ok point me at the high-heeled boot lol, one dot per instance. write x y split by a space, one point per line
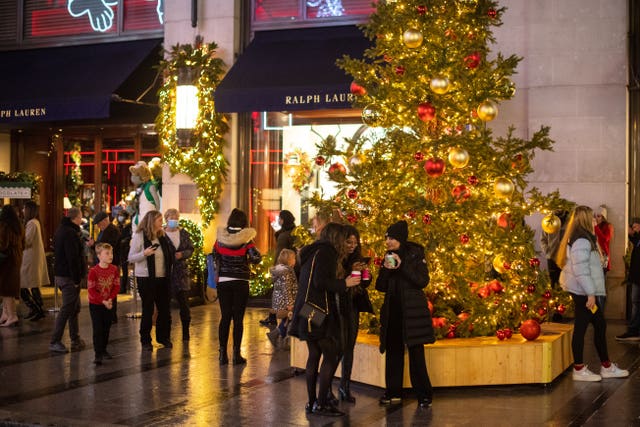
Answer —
26 297
223 358
344 392
237 358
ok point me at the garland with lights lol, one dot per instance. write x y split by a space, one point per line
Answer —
260 283
204 162
197 262
74 179
31 179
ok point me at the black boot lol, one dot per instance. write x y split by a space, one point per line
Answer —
185 332
237 358
344 392
332 400
25 295
223 358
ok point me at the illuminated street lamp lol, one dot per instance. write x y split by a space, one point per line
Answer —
186 106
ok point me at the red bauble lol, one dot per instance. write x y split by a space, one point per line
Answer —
320 161
451 334
492 13
352 194
504 221
484 292
542 311
561 309
337 168
472 180
426 111
422 9
439 322
411 214
377 261
496 286
400 70
531 288
460 193
530 329
546 294
357 90
506 265
418 156
352 218
508 333
464 239
534 262
473 60
463 316
387 58
426 219
524 307
434 167
500 334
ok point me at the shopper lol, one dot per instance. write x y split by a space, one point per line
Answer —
110 234
70 268
322 276
152 254
604 235
352 303
103 284
285 288
233 251
633 280
405 318
11 244
583 277
180 275
33 273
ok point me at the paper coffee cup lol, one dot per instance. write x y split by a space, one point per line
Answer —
355 273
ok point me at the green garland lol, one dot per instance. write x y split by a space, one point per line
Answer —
33 180
74 179
260 283
204 162
197 262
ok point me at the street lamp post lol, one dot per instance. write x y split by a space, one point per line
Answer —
186 106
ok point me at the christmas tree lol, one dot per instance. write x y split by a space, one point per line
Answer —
430 85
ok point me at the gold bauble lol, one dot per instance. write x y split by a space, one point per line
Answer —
412 38
439 85
503 187
498 264
458 157
371 116
551 224
487 111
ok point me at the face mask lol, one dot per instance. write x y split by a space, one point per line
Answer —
172 223
121 218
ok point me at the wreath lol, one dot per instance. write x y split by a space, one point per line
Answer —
298 166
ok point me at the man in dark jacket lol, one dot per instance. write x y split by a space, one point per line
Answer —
70 268
404 316
633 329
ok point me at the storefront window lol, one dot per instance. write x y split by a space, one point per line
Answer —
292 13
284 172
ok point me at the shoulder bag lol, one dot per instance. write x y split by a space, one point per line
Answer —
314 314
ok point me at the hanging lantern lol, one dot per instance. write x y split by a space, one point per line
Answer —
186 106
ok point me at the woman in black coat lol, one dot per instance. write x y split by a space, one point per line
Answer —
404 316
320 281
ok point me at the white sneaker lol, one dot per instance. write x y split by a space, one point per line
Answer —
585 374
614 372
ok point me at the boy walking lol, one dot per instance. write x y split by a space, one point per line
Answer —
103 285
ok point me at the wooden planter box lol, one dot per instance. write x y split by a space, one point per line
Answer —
468 361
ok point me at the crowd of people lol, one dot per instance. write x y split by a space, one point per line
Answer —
319 290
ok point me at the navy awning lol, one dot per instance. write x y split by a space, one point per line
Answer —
67 83
288 70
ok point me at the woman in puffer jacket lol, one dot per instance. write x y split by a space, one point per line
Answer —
582 276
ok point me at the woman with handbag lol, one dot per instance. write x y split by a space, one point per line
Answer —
404 317
352 303
315 316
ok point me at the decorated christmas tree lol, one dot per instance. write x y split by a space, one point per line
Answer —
430 85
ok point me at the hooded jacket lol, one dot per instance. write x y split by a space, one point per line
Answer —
233 252
322 284
69 252
404 286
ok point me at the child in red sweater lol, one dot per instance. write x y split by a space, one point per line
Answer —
103 285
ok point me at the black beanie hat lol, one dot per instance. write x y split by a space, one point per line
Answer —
398 231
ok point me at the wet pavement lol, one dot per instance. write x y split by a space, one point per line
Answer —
186 386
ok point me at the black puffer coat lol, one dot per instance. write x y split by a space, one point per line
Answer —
404 286
322 290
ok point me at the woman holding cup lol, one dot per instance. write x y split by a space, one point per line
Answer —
404 317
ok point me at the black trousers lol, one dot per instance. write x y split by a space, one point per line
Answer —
101 318
584 317
351 321
182 298
233 297
394 359
154 292
328 349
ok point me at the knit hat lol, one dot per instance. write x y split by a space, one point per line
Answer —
398 231
602 210
99 217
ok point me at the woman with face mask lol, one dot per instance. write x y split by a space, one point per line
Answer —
180 277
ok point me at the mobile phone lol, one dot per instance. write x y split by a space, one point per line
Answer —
155 245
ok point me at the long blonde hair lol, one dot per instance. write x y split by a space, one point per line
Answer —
580 222
146 225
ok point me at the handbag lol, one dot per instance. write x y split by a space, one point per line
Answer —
314 314
212 272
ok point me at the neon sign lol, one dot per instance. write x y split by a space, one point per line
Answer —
100 12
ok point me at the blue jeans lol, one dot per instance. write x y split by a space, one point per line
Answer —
69 309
